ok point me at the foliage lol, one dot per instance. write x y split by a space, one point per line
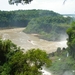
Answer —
24 1
61 62
71 40
60 66
19 1
29 63
13 61
49 27
20 18
6 48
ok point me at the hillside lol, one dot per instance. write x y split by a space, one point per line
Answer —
49 27
20 18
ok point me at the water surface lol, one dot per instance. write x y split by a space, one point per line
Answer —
28 41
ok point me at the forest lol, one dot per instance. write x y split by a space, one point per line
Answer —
64 59
49 27
13 61
20 18
48 24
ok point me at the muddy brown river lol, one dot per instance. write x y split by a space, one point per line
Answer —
28 41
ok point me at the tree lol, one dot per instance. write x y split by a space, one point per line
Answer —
6 47
13 61
24 1
19 1
71 40
28 63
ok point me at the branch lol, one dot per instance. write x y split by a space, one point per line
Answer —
64 2
19 1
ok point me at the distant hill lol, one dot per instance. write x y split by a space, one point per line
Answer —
20 18
48 24
49 27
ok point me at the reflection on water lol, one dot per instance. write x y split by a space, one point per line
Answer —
28 41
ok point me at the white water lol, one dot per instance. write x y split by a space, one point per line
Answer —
44 72
27 41
22 40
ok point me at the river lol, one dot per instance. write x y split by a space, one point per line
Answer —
28 41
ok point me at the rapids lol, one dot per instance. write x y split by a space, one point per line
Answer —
28 41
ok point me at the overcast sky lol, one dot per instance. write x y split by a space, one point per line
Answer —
54 5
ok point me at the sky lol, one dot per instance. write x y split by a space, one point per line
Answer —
53 5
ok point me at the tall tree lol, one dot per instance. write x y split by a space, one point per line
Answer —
6 48
13 61
19 1
71 40
28 63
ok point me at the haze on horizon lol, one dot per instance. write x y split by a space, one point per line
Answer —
54 5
